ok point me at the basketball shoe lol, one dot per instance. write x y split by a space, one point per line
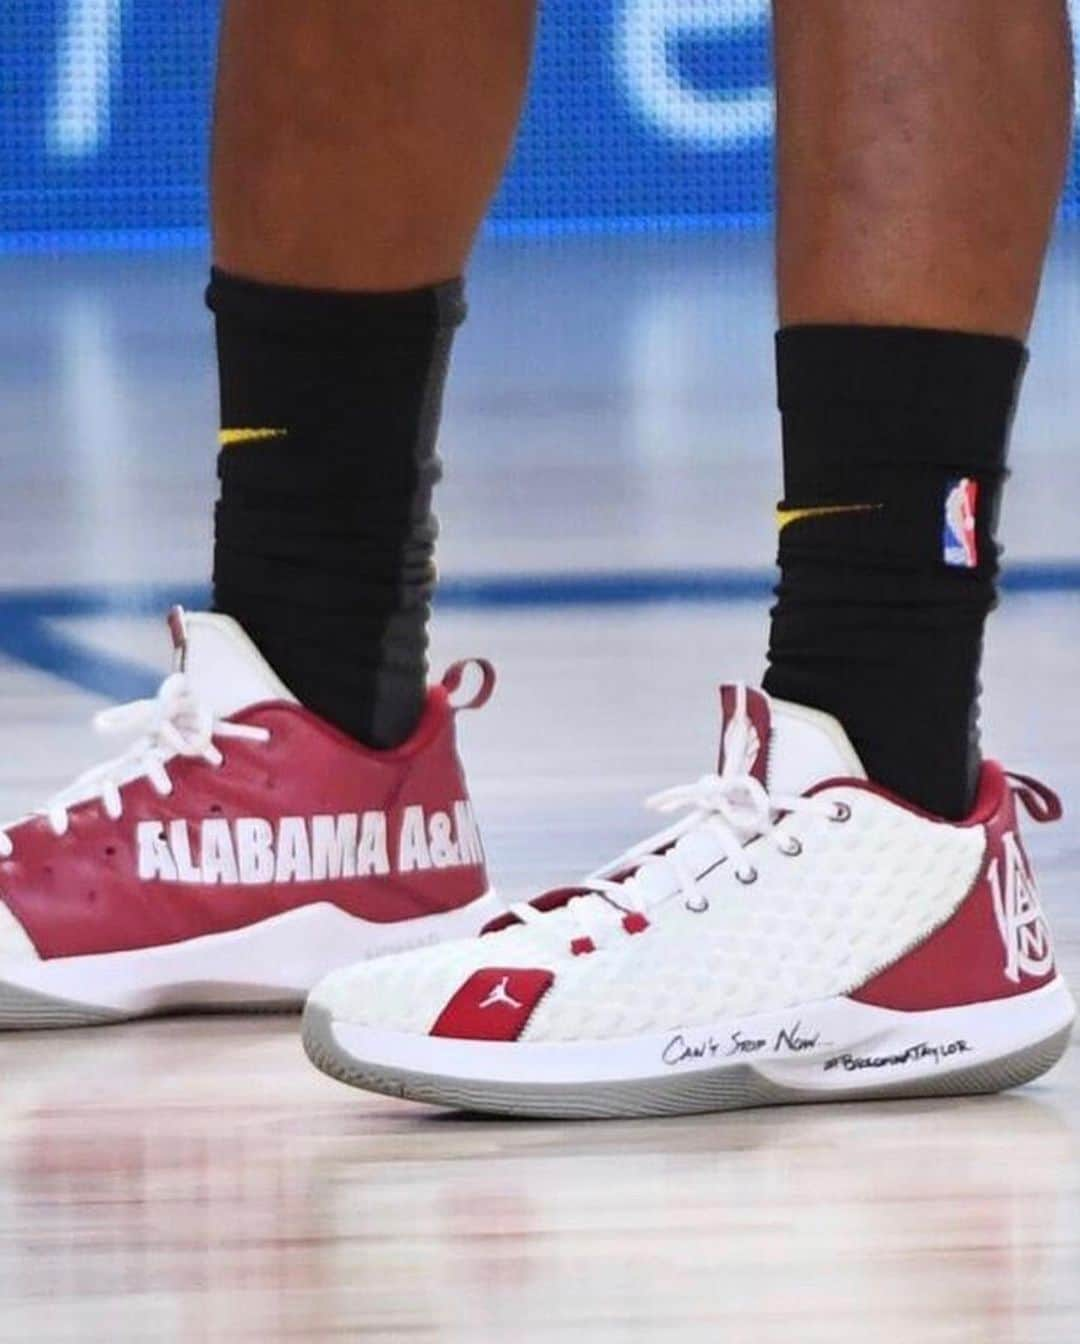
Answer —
799 935
237 852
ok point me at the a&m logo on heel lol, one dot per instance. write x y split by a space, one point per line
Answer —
1028 950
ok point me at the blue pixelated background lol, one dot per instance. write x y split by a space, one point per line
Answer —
645 114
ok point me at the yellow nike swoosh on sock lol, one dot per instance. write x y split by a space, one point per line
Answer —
229 438
785 517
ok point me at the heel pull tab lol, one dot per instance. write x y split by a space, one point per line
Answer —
455 676
1040 803
177 622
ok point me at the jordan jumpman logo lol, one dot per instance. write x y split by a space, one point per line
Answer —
501 994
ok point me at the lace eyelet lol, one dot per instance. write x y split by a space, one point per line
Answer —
792 849
841 812
697 905
748 878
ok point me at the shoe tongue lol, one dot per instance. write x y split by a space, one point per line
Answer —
785 747
225 669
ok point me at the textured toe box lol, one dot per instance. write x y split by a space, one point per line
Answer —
407 992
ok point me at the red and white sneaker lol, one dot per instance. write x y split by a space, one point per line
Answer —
800 935
236 853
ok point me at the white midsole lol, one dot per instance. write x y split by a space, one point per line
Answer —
277 960
833 1045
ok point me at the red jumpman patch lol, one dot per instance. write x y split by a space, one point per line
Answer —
493 1005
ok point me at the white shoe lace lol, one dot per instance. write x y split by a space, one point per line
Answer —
171 724
727 812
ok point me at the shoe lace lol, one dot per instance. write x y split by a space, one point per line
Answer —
170 724
725 813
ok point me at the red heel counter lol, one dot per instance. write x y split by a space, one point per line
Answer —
996 945
466 825
437 782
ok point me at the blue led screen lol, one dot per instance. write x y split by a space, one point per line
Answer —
644 114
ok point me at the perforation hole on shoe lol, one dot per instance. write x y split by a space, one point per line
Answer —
635 922
791 848
697 905
840 812
747 876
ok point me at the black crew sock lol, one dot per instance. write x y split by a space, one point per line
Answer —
891 436
330 405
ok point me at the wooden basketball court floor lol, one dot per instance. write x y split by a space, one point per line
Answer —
611 469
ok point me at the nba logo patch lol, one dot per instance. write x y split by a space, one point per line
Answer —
959 547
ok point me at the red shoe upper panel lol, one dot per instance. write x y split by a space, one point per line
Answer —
306 815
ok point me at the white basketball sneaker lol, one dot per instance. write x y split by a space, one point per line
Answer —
800 935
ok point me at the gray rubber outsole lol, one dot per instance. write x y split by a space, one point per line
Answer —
734 1087
26 1009
30 1010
